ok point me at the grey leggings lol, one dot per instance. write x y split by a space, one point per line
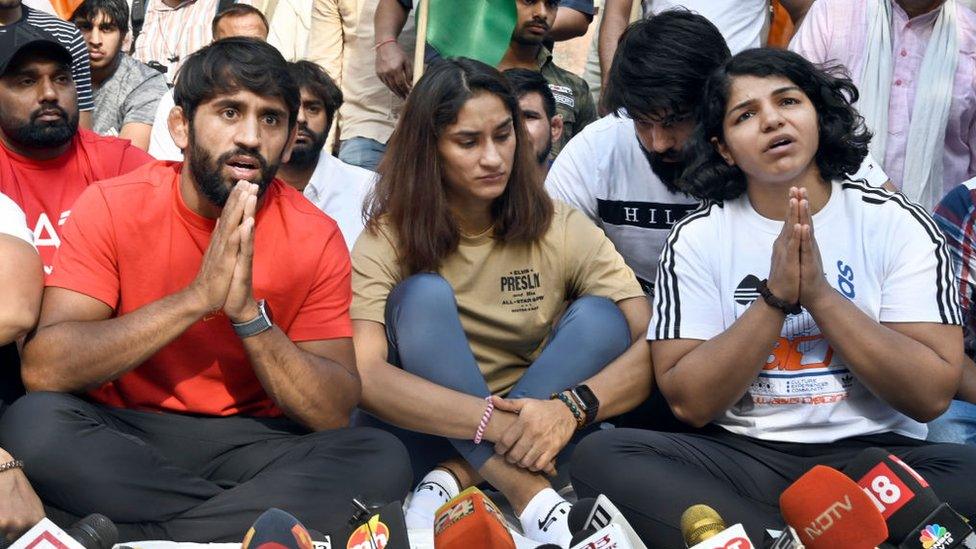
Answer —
426 339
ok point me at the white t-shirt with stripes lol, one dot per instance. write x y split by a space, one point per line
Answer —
879 250
70 37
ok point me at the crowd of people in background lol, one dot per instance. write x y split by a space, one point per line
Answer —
249 260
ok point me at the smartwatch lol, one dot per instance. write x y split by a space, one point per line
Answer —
588 402
261 323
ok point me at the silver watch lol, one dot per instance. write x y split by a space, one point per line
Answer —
261 323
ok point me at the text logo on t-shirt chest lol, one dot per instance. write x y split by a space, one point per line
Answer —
46 237
647 215
801 367
521 290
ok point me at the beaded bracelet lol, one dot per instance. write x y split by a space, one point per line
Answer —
489 408
568 401
15 464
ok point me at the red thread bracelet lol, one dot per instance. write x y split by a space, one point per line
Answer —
383 43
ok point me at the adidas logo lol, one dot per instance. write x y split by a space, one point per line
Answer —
747 291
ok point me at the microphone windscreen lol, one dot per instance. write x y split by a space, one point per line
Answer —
829 510
576 520
94 532
276 529
471 521
902 496
700 522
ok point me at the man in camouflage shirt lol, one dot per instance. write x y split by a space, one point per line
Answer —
526 51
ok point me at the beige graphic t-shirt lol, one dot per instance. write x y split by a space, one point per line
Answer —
508 295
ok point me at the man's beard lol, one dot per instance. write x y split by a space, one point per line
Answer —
307 155
206 172
41 135
668 167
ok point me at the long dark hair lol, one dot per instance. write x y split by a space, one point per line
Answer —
843 137
410 198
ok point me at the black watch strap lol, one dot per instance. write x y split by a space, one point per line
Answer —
588 401
775 302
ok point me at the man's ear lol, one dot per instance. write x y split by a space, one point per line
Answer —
290 144
179 127
556 127
723 151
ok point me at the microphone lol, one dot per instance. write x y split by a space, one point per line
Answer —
92 532
608 525
913 512
276 529
942 529
703 528
377 527
471 520
829 510
579 513
95 532
787 539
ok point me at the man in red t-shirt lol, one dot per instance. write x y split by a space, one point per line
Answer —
202 309
46 161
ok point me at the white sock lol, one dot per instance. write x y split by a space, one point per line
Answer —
545 518
437 488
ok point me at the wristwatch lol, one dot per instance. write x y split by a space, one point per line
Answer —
588 402
259 324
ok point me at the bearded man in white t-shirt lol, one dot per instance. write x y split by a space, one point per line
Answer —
621 170
336 188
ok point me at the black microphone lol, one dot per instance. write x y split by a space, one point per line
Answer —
914 514
576 520
94 532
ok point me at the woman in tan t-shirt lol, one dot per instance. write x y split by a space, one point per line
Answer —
461 285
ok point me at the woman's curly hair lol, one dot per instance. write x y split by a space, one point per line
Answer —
843 137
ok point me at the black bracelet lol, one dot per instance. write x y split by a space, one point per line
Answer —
775 302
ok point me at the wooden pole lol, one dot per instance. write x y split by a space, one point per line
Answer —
418 54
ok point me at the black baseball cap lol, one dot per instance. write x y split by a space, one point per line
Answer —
18 37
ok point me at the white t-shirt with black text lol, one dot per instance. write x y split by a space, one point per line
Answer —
879 250
604 173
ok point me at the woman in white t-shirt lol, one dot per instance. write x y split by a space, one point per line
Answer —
800 317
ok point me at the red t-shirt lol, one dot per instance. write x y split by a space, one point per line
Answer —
46 189
132 240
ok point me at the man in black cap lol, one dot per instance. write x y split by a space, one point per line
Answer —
46 161
14 14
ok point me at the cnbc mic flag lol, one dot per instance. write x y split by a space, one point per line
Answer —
478 29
